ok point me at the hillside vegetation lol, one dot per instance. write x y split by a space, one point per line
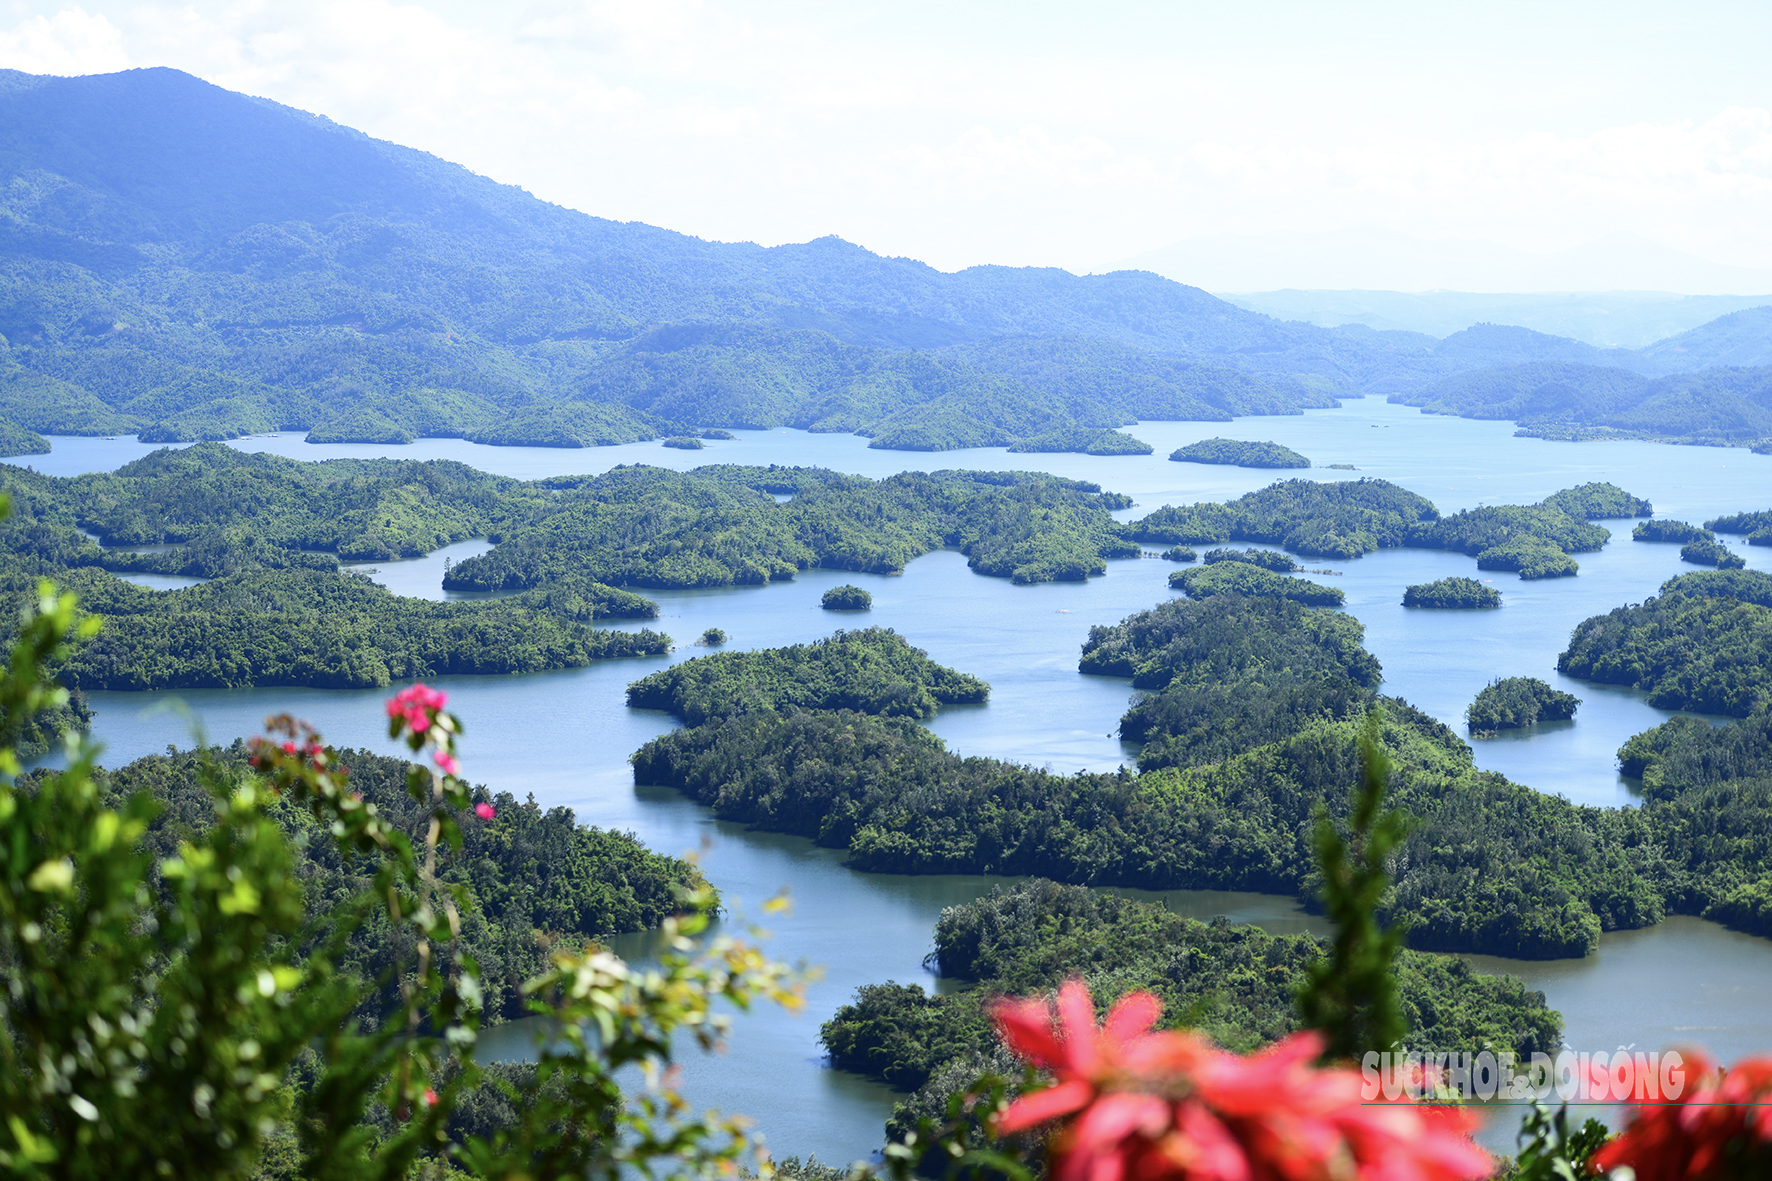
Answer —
531 877
1236 762
1704 643
1238 980
1238 453
189 263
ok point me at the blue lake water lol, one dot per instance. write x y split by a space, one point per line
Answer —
565 737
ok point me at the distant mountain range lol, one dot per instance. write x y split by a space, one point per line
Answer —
1608 319
184 262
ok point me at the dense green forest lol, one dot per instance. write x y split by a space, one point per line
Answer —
533 878
1678 532
1511 703
720 526
223 511
1455 593
1083 440
1318 518
1236 982
1704 643
1267 559
311 628
1704 552
874 670
1239 453
16 440
1757 526
1238 760
1564 399
1246 578
1351 518
1235 759
847 597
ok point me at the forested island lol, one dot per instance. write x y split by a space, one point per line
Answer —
1234 761
316 628
1238 453
1083 440
1237 980
1350 518
1240 577
1757 527
1704 643
1678 532
1706 552
1267 559
874 670
1512 703
847 597
1452 594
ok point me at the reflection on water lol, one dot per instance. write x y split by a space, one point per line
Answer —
565 736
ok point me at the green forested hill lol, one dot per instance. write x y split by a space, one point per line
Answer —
189 263
532 877
1703 643
719 526
313 628
1570 400
1237 981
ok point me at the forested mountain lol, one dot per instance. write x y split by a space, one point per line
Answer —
1569 400
185 262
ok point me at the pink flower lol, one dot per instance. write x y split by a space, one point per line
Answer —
417 705
1141 1106
1717 1128
448 762
484 811
430 1097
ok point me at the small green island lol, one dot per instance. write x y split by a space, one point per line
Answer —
1530 558
712 638
1082 440
1512 703
1238 453
717 433
1710 553
847 597
1243 578
1267 559
1678 532
1179 553
1452 593
684 442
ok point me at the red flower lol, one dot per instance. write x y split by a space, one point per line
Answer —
484 811
1719 1126
1143 1106
430 1097
417 705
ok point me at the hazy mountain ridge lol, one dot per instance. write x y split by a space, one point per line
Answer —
186 262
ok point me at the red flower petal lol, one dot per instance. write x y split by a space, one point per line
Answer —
1030 1110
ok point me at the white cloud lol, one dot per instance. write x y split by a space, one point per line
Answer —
963 135
69 42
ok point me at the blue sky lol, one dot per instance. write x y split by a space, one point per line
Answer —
1066 135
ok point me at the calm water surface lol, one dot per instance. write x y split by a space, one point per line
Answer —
564 737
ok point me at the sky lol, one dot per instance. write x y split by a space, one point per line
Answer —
1070 135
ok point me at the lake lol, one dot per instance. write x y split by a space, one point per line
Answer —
564 737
